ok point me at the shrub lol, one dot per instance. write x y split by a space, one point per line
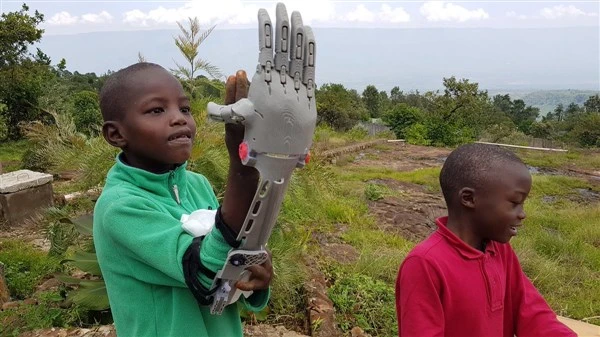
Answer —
86 112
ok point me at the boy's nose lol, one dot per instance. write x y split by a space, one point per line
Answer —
522 214
177 118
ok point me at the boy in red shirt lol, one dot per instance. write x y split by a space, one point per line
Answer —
465 279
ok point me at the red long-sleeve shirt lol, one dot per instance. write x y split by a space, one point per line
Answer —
446 288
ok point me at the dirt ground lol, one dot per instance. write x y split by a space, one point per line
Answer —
411 210
401 157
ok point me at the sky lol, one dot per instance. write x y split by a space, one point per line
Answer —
82 16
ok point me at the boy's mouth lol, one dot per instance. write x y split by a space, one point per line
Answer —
513 230
184 135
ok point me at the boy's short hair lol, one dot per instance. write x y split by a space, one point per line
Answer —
114 94
473 165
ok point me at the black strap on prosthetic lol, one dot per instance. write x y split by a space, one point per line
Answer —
228 234
192 266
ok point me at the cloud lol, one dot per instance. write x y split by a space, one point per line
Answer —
360 14
561 11
102 17
513 14
393 15
385 14
229 11
441 11
63 19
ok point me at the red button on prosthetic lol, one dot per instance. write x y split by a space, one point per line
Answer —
243 151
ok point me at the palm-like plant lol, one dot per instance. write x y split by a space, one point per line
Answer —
189 42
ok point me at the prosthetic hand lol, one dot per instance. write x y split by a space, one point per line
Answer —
279 118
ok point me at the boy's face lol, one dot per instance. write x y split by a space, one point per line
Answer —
499 205
158 128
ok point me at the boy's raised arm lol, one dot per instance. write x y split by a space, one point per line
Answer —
242 180
418 306
269 134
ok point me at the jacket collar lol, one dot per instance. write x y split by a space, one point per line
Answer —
461 247
159 184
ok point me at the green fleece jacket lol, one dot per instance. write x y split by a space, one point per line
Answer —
140 244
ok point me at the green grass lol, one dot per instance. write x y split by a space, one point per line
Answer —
11 154
579 158
46 314
25 267
361 300
427 177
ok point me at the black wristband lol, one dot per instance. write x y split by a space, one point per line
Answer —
228 234
191 267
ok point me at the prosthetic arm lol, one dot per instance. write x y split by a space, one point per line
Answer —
279 118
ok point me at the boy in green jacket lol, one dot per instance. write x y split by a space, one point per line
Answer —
161 238
138 234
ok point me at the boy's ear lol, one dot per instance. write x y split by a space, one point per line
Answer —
111 130
466 197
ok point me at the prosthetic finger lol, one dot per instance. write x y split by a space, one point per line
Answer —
236 113
310 54
297 49
282 43
265 44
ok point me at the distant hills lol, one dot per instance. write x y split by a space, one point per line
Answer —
547 100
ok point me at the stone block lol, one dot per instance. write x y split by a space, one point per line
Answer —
23 195
21 180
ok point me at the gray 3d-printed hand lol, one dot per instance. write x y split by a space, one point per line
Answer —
279 115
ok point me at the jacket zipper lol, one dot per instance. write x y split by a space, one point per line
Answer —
174 188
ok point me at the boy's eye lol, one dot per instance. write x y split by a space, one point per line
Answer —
185 110
518 203
156 110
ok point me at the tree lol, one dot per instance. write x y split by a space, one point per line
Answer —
592 104
503 103
338 107
384 102
462 106
523 116
559 113
396 95
23 74
18 30
573 110
587 130
371 98
189 42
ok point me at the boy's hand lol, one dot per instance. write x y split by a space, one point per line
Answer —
236 88
260 277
